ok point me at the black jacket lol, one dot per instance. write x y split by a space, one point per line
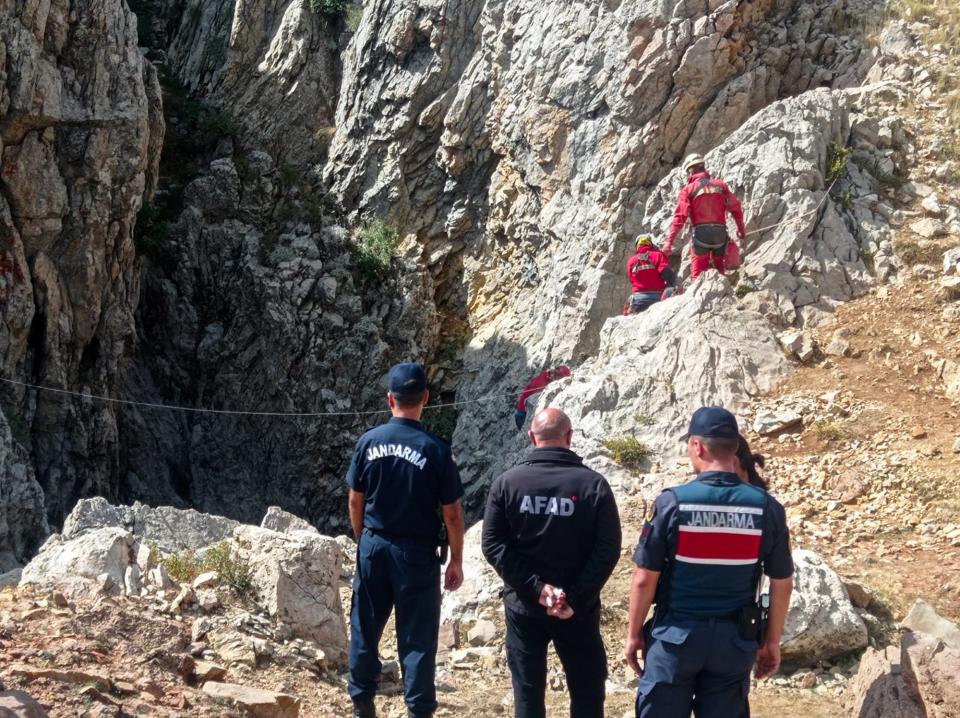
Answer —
551 520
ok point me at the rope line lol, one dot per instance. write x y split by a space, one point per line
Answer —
229 412
799 216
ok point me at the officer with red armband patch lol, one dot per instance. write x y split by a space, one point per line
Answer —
701 556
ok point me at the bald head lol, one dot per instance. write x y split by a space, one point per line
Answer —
550 428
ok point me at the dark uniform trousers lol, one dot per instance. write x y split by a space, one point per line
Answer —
580 648
405 574
699 665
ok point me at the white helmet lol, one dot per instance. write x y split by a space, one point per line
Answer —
692 161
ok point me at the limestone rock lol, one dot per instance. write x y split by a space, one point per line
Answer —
513 230
77 565
80 144
773 421
821 621
348 556
295 577
10 578
951 261
207 579
922 618
714 351
17 704
860 597
950 288
931 668
878 689
23 522
930 228
799 261
281 342
478 597
170 529
799 343
205 671
483 633
276 519
233 647
273 64
254 701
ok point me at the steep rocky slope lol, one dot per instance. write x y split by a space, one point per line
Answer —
516 146
80 135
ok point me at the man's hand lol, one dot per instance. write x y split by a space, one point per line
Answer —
768 660
453 578
635 644
666 250
555 601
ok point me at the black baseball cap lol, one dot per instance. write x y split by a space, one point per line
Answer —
712 422
407 380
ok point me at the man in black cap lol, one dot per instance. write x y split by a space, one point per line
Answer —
552 531
400 478
700 558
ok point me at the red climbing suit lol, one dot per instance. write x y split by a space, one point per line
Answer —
539 383
705 201
644 269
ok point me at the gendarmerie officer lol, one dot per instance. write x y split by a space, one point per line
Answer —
399 478
700 557
552 531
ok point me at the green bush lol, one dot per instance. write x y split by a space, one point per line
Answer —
744 288
913 253
232 569
441 422
829 431
837 157
376 248
151 235
628 451
334 8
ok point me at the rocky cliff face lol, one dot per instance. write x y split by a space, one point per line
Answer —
253 315
80 134
273 63
516 146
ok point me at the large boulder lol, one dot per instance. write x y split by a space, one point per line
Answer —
295 577
804 252
878 690
479 596
650 372
932 669
17 704
276 519
168 528
821 622
923 618
254 701
80 565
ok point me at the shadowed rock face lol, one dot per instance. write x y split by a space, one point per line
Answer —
80 134
274 64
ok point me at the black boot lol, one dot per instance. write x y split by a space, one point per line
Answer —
364 709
